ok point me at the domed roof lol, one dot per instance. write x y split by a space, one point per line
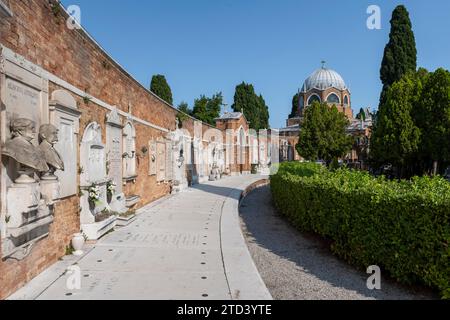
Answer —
322 79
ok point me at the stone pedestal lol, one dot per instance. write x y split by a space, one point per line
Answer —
118 203
28 220
21 198
50 190
96 230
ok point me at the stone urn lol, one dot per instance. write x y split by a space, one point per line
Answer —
78 243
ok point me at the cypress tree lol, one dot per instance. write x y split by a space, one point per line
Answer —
253 106
161 88
400 54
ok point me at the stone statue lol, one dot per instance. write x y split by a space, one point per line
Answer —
48 134
21 149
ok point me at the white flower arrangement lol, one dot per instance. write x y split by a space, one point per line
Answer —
111 187
94 193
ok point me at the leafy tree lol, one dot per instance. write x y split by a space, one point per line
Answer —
295 102
432 116
208 109
396 137
161 88
253 106
400 54
323 134
184 107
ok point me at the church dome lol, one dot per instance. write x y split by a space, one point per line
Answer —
323 79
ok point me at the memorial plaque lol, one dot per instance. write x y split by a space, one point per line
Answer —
93 160
115 158
129 144
65 117
23 101
114 149
169 161
161 161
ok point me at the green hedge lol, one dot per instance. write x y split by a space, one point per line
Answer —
403 227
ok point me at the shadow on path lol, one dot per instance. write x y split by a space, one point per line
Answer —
299 266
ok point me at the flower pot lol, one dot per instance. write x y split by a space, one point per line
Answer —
78 243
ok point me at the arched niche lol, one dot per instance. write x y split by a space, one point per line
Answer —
93 158
129 150
65 116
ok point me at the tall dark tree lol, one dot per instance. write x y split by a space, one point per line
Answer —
396 137
263 114
208 109
184 107
295 105
400 54
161 88
323 134
253 106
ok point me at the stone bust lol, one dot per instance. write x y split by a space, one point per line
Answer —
48 135
21 148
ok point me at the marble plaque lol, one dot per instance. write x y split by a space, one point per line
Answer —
161 161
96 163
23 101
129 145
169 162
114 152
93 159
65 116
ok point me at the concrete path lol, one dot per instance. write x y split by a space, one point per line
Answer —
188 246
298 266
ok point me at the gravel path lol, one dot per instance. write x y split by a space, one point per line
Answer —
296 266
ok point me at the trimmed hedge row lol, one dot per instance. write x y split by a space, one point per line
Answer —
403 227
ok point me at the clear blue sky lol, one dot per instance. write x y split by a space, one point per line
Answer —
207 46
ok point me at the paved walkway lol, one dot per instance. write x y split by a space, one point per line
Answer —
188 246
298 266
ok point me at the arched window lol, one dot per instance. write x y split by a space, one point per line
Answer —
346 100
313 98
333 98
129 152
302 102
